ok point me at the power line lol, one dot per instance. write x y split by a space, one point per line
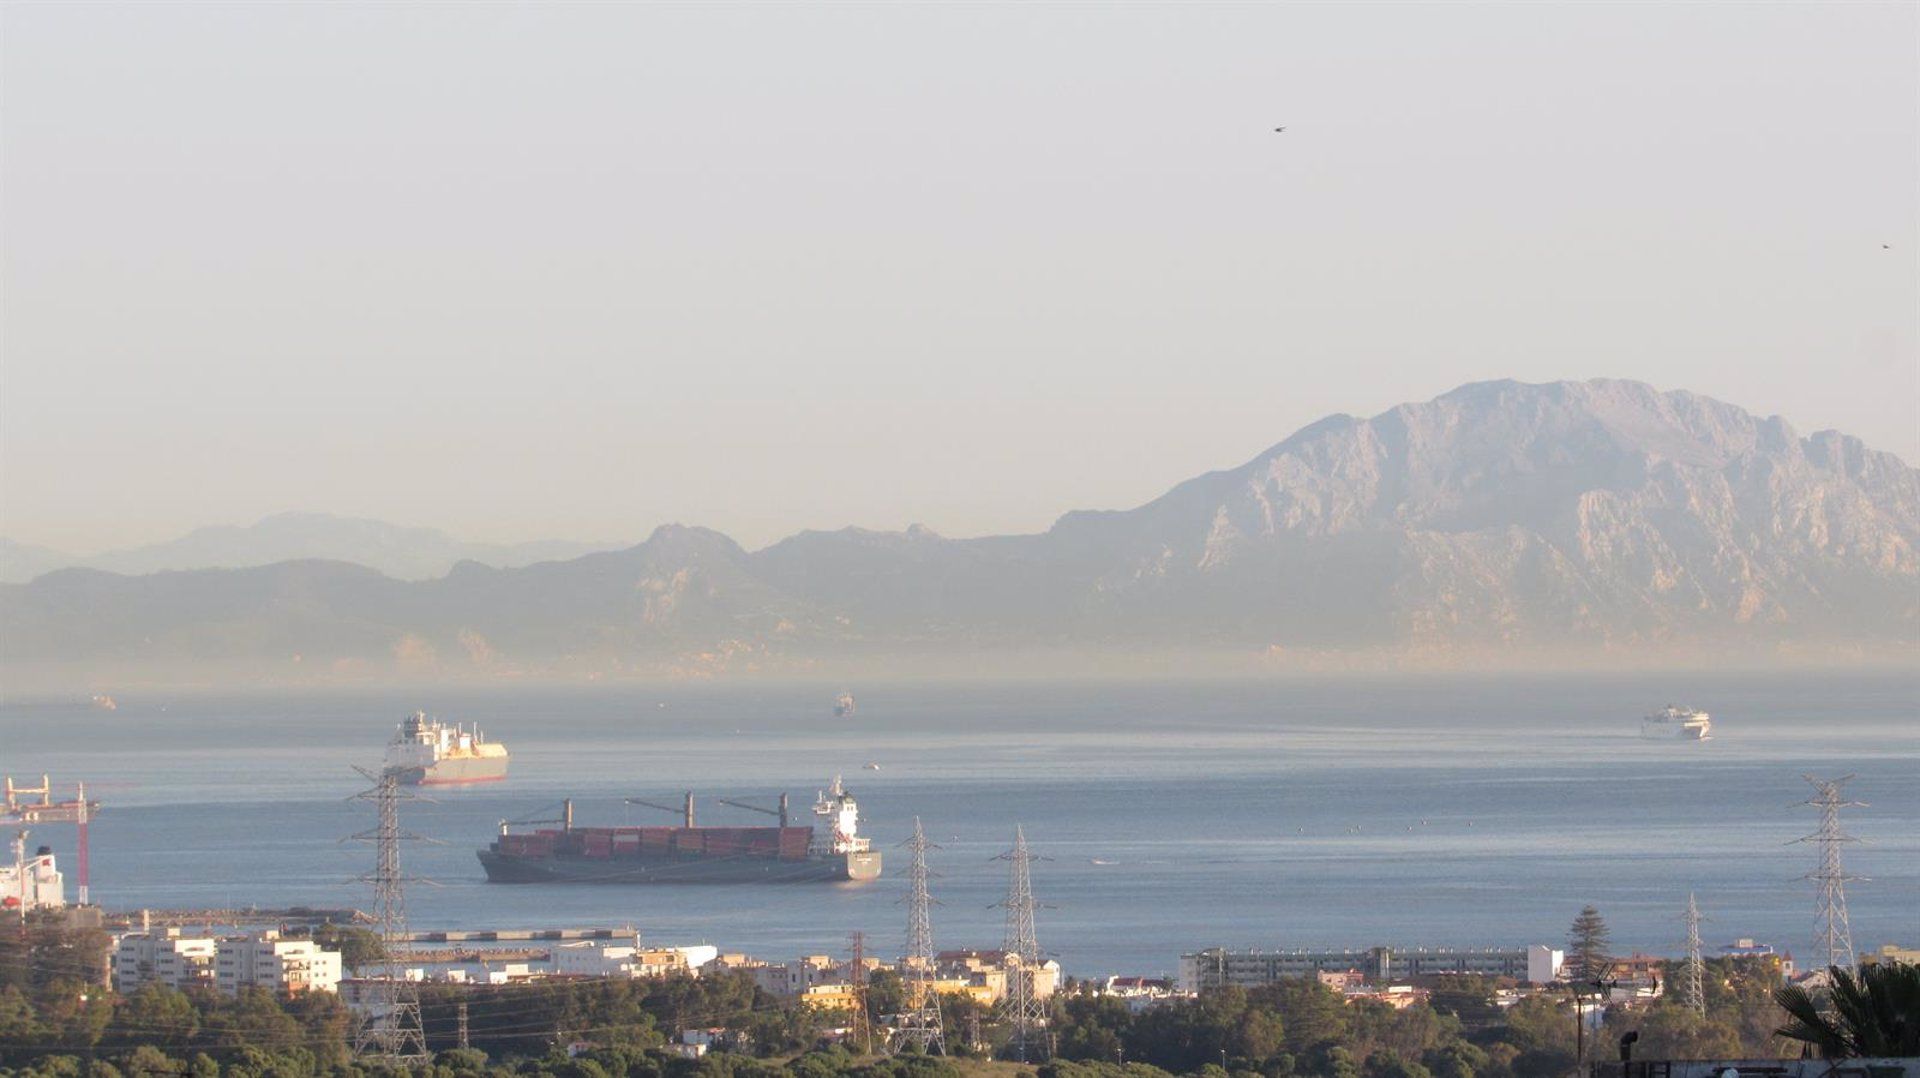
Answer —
1021 1006
919 1025
391 1029
1832 936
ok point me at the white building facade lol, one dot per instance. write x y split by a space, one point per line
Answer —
610 958
270 961
166 957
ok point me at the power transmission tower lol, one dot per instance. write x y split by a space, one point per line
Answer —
390 1031
1023 1010
861 1032
919 1025
461 1033
1691 994
1833 938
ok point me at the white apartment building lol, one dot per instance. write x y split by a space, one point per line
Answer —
165 957
268 960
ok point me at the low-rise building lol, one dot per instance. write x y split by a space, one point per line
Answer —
166 957
614 958
984 974
1397 996
1890 953
795 977
1139 993
1219 968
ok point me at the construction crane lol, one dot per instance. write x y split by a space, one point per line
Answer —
686 809
780 812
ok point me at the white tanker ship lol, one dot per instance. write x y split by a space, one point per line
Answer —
427 752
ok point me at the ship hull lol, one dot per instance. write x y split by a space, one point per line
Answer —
456 771
832 868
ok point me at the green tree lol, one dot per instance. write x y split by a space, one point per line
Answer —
358 946
1587 941
1466 998
1455 1059
1875 1012
154 1015
1313 1014
1540 1023
1670 1031
1390 1065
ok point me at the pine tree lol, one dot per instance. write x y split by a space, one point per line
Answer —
1587 942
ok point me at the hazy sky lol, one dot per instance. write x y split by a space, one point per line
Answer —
575 271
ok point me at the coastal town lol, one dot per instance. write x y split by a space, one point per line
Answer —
858 1002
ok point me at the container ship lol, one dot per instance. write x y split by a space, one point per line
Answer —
426 752
1677 723
689 854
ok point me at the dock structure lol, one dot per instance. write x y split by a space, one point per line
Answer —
519 935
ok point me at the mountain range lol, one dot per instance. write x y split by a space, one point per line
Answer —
399 552
1499 523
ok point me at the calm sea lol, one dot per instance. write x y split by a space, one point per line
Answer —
1438 811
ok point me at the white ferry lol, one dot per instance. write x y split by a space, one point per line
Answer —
1673 723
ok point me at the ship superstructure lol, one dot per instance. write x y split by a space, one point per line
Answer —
30 883
427 752
1677 723
784 853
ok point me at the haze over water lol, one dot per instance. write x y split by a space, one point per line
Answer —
1343 812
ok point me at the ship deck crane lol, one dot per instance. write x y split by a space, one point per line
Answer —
565 819
780 812
686 809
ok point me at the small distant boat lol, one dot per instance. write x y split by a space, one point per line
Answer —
872 766
1097 861
103 702
1672 723
843 705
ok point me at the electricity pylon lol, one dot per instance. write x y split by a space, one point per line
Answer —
1832 937
919 1024
1691 994
861 1032
390 1031
1023 1010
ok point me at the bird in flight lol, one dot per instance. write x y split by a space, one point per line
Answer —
1277 130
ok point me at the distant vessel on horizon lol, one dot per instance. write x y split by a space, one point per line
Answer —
843 705
1673 723
427 752
103 702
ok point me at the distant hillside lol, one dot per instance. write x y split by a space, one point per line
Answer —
403 553
1598 520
